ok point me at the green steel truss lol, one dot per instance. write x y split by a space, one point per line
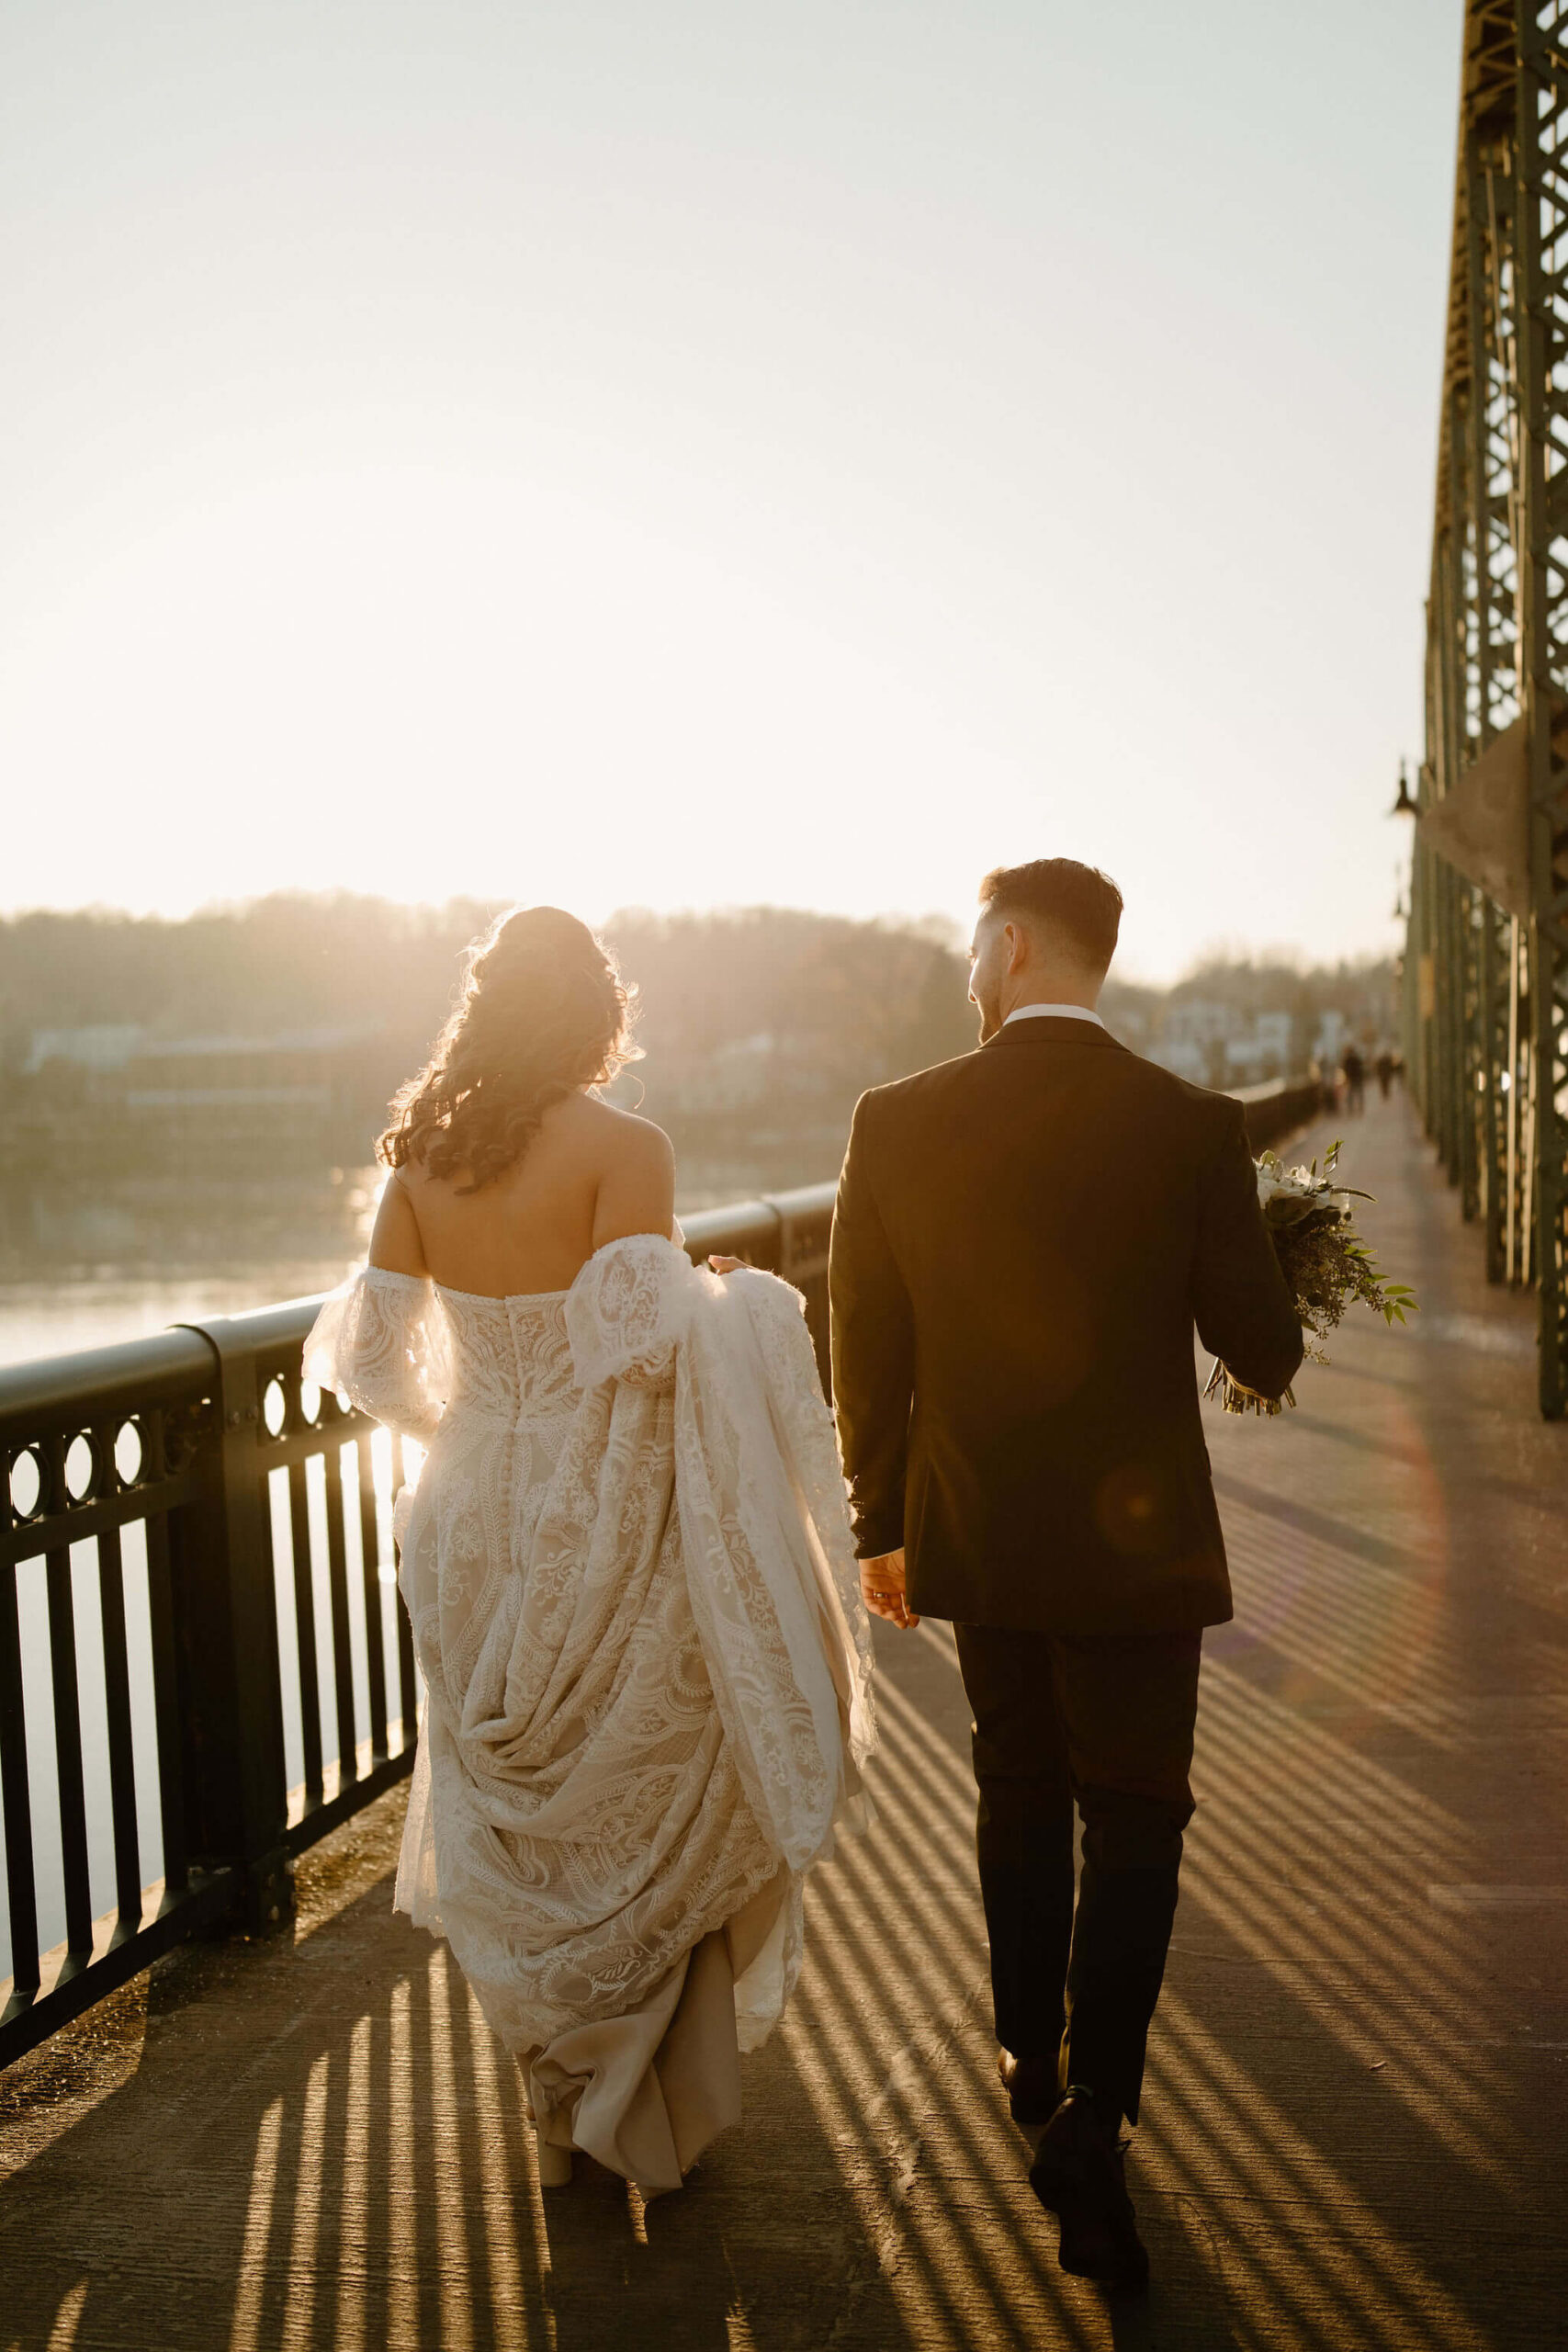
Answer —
1485 992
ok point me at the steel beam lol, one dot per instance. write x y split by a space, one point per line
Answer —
1486 994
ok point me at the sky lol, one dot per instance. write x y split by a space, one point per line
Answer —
683 452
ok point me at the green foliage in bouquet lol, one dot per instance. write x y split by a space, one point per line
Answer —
1325 1262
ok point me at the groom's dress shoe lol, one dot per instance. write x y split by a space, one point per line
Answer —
1032 2097
1077 2175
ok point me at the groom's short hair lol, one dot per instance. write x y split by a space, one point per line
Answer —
1059 894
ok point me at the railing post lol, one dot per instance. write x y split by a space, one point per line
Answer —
220 1560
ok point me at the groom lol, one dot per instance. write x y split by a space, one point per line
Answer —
1023 1241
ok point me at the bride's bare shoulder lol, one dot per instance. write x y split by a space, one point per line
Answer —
633 1171
620 1136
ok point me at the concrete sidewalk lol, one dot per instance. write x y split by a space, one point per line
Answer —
1354 2130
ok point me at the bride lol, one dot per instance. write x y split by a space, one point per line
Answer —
626 1561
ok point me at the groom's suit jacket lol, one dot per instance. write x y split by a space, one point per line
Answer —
1023 1241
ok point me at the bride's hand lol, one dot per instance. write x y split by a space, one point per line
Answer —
882 1585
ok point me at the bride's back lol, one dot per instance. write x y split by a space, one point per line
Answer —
507 1171
588 1168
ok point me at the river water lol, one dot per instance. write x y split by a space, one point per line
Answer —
86 1262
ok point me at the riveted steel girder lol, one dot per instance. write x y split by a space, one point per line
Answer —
1486 991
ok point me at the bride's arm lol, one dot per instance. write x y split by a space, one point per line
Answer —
380 1338
636 1189
395 1245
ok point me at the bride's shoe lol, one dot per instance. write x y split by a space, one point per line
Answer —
555 2164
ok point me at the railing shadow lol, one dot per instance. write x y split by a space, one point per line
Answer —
1347 2139
322 2146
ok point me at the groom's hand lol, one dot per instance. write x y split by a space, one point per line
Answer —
882 1586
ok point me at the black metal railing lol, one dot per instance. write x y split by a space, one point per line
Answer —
1280 1108
203 1665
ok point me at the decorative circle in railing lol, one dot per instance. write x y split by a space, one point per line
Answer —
310 1403
274 1407
81 1467
129 1452
26 1482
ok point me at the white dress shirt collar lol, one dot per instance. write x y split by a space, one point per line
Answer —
1053 1013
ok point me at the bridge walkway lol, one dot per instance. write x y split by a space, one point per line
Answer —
1355 2130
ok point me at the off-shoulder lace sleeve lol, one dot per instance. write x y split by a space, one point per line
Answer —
629 1309
383 1339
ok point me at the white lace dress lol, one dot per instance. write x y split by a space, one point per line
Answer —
628 1569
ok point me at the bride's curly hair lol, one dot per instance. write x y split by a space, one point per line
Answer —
543 1014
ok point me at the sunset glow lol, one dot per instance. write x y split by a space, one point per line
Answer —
481 451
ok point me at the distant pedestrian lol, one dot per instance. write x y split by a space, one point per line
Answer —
1355 1070
1385 1067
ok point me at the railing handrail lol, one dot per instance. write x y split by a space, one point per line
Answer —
46 1390
178 1361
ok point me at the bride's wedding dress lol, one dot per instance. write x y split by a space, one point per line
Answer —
645 1662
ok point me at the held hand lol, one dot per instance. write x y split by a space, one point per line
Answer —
882 1586
722 1265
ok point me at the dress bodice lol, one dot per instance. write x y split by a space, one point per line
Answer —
511 1358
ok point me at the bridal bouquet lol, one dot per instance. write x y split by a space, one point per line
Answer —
1324 1260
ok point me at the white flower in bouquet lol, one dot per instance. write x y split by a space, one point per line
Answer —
1286 1195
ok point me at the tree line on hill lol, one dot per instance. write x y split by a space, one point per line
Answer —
762 1019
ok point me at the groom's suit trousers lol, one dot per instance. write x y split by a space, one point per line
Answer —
1104 1721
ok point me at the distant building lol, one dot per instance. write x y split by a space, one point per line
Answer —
228 1080
1260 1051
1193 1039
737 1075
1199 1021
104 1045
1183 1058
1275 1032
121 1086
1215 1043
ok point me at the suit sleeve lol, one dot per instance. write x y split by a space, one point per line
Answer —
1240 1301
874 1354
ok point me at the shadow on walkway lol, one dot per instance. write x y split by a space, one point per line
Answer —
1354 2127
